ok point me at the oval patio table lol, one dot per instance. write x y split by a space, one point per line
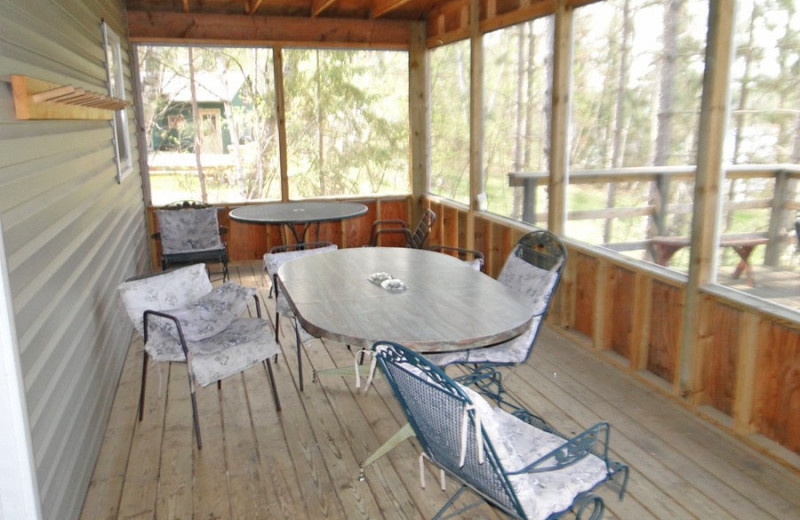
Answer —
300 213
447 305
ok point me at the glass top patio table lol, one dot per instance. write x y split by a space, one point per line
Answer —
300 213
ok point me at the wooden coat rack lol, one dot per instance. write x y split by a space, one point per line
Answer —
37 99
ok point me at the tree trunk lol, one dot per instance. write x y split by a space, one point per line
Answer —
617 154
659 192
320 131
233 125
198 140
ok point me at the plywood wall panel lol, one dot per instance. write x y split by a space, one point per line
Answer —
585 285
777 385
665 327
620 299
719 345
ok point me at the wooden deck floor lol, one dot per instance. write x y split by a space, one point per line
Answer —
303 462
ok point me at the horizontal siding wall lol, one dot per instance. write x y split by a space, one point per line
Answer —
71 233
632 313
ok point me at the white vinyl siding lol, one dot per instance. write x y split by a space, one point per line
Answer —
71 234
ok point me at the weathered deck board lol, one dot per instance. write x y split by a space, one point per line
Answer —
304 461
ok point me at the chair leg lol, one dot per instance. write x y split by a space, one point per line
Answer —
272 382
277 326
196 418
144 379
299 355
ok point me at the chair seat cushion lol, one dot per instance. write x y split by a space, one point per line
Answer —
519 444
508 352
244 342
210 314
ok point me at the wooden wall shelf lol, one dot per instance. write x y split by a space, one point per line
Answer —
37 99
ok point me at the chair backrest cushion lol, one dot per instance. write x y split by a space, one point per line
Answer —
186 230
211 313
168 290
530 281
273 261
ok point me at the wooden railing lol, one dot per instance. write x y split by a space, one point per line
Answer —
631 312
782 205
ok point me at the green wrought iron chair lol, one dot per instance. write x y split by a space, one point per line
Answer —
515 462
533 269
414 239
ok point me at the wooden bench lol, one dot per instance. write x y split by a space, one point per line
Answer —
742 243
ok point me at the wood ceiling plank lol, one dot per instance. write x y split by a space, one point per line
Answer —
165 27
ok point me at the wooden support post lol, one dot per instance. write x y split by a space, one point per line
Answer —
559 141
476 181
707 196
418 115
280 111
744 391
642 308
601 327
529 200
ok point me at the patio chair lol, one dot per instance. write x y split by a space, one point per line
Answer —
524 468
189 232
183 319
414 239
533 270
471 257
279 255
276 257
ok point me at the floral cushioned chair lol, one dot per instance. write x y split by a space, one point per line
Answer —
273 260
533 270
182 318
189 232
516 462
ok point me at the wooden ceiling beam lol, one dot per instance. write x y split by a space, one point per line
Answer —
317 6
254 5
384 6
217 29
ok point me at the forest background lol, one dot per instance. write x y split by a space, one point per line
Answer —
635 99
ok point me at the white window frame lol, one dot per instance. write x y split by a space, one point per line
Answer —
115 78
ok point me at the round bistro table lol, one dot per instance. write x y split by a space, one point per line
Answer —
301 213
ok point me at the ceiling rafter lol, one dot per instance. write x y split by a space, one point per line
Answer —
318 6
253 6
384 6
